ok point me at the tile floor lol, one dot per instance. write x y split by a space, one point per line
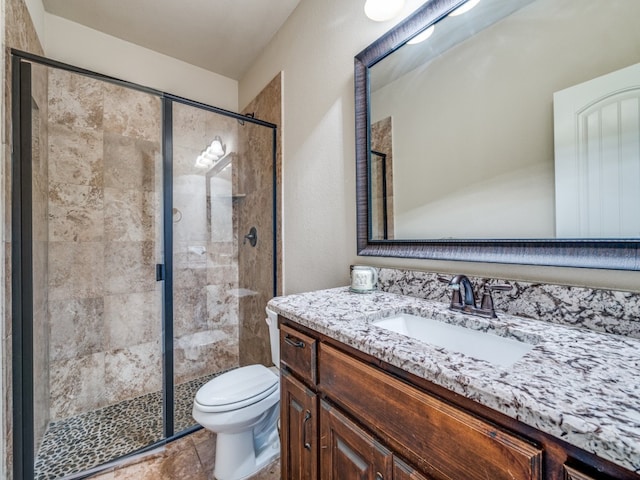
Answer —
190 458
80 443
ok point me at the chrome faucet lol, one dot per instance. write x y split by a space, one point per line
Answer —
467 304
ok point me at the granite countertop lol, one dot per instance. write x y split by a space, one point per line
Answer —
575 384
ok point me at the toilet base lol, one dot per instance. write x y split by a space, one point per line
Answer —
236 458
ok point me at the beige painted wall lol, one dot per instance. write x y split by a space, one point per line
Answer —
68 42
315 49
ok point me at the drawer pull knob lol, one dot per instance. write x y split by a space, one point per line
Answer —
307 417
379 476
294 342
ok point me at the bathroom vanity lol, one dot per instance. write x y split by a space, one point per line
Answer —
361 401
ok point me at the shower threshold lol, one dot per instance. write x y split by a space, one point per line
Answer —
90 439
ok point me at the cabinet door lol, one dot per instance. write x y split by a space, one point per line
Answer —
299 429
347 452
402 471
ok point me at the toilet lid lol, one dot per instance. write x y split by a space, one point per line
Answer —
237 388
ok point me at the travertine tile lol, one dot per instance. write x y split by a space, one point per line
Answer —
192 457
190 127
222 305
132 318
254 174
75 155
202 353
133 371
75 213
190 277
204 442
189 310
76 270
131 163
104 476
76 327
77 385
270 472
129 215
75 100
132 113
129 267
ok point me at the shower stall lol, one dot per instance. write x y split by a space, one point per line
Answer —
143 251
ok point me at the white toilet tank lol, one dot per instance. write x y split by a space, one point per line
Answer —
274 336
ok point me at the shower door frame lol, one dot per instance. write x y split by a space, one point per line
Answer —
22 264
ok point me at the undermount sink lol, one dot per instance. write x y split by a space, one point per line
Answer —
473 343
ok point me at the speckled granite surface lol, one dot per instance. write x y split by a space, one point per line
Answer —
576 384
601 310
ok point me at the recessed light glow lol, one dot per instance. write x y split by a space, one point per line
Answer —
464 8
382 10
421 37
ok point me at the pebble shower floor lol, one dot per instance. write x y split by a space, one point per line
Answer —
82 442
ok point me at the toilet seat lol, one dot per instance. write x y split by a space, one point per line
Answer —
236 389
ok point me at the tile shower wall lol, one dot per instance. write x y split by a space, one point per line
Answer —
255 210
104 183
605 311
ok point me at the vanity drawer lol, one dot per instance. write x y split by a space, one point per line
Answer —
298 352
445 442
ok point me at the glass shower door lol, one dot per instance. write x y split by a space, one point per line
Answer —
205 266
96 184
223 257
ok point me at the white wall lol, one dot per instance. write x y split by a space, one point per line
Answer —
77 45
315 50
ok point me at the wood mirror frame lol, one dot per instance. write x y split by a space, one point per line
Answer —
613 254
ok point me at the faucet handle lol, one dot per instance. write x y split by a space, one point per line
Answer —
456 297
487 300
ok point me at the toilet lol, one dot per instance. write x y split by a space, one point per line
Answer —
242 408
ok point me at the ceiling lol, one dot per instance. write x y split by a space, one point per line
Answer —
222 36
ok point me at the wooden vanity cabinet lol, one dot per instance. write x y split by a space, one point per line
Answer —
345 417
298 405
298 429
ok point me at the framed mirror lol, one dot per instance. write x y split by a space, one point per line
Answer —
511 134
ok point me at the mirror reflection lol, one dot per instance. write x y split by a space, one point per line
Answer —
519 119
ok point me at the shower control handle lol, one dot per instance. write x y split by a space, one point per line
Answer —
252 236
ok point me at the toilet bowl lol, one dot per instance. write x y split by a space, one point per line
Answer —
242 408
